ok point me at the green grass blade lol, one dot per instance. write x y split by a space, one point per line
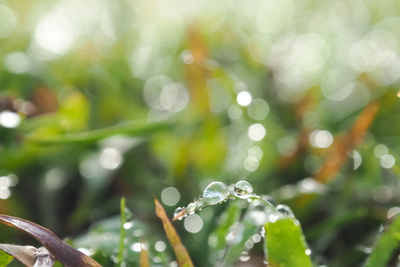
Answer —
389 240
132 129
248 229
5 259
285 244
122 233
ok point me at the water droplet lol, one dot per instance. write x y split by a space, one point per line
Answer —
285 210
128 225
262 232
256 238
243 189
178 210
273 217
249 244
191 208
244 256
215 193
308 251
160 246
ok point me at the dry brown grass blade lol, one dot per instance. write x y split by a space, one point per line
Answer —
144 255
63 252
180 251
24 254
337 155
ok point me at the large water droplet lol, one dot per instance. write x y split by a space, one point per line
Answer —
215 193
243 189
178 211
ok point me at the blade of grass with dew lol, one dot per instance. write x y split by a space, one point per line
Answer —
389 241
247 230
228 218
144 255
285 244
122 233
180 251
5 258
131 129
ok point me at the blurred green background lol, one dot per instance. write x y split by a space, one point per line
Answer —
103 99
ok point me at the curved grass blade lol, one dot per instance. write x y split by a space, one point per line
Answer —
63 252
24 254
132 129
285 244
385 246
5 258
180 251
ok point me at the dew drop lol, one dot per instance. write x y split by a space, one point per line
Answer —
256 238
178 211
308 251
262 232
243 189
244 256
191 208
249 244
215 193
284 210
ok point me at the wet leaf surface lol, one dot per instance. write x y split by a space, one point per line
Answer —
389 241
285 244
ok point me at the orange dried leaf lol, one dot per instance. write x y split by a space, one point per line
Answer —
337 155
180 251
63 252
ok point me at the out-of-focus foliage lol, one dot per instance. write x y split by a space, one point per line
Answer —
5 259
102 99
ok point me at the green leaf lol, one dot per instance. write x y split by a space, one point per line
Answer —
228 218
285 244
389 240
5 259
132 129
245 231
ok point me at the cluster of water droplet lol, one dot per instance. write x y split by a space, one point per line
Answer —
216 193
261 209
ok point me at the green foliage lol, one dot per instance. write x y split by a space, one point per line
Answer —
285 244
388 241
102 99
5 259
122 233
